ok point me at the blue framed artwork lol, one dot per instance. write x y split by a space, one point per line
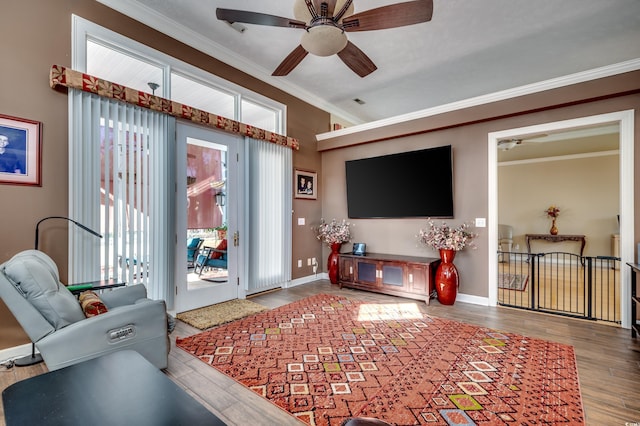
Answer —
20 151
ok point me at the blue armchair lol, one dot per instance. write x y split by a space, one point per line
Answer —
193 246
55 322
210 257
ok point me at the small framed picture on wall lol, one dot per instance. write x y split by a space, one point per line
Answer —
306 184
19 151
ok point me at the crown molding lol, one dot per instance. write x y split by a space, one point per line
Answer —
554 83
161 23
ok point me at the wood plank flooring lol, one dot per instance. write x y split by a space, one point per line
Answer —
608 360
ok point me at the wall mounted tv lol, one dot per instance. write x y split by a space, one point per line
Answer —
408 184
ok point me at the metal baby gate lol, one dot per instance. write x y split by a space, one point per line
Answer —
561 283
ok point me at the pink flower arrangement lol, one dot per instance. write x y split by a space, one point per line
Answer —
333 232
443 237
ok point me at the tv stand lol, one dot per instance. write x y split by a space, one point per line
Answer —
405 276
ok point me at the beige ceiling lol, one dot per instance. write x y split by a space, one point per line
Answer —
470 48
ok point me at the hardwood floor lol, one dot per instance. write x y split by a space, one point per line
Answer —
608 360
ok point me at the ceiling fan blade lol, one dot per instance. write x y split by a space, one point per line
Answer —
290 62
356 59
231 15
531 138
392 16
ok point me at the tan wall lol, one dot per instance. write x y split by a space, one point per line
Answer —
586 190
37 34
399 236
467 132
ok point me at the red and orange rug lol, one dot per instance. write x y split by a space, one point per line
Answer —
327 358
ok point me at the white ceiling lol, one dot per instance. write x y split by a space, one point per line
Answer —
470 48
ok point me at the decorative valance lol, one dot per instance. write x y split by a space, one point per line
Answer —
62 76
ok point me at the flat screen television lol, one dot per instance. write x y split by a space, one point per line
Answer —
404 185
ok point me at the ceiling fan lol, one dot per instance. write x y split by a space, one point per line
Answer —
325 22
507 144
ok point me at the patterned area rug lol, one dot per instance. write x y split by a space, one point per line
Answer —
221 313
513 281
327 358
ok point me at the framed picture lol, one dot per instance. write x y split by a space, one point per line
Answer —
20 151
306 184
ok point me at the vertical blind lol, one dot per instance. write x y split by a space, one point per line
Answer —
269 178
122 182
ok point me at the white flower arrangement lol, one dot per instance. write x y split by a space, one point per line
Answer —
447 238
333 232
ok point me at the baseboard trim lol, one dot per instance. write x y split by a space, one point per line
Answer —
474 300
308 279
15 352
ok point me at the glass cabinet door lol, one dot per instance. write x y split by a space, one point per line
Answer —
367 272
392 275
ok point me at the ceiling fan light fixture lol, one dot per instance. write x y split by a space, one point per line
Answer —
506 145
324 40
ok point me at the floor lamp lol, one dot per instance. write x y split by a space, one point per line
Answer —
35 358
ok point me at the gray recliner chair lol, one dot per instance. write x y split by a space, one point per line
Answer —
505 242
54 321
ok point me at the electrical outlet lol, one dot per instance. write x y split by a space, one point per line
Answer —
481 222
301 221
299 263
309 261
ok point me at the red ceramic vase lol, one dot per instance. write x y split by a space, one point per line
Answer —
447 278
332 264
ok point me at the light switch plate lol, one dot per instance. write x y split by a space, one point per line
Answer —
301 221
481 222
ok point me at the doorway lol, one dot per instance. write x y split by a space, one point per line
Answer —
206 261
624 120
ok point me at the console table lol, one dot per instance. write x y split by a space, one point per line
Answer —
405 276
555 239
121 388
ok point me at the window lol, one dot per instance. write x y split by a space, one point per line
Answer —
202 96
111 64
108 55
260 116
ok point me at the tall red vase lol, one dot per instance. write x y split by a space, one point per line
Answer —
447 278
332 264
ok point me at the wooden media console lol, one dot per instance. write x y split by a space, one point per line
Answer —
405 276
